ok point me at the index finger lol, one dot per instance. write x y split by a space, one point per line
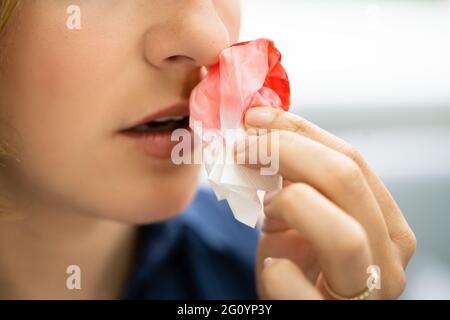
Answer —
396 223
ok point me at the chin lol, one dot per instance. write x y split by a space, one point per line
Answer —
159 201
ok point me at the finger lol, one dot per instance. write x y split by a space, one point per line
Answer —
292 245
281 279
339 241
271 225
301 159
398 228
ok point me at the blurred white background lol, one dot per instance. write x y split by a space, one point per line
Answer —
377 73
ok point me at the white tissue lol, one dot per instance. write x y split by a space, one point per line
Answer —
235 183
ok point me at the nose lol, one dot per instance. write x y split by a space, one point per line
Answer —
193 34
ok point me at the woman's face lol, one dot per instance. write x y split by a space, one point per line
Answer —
67 95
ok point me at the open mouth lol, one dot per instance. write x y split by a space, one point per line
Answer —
153 133
164 121
163 124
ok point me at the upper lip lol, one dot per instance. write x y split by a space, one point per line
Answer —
178 109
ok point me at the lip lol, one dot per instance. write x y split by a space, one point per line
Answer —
157 144
177 109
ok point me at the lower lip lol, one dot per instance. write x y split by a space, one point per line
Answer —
154 144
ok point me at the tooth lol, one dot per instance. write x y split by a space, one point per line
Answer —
164 119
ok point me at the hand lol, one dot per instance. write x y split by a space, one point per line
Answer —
332 220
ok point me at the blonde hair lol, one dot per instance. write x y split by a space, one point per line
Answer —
6 9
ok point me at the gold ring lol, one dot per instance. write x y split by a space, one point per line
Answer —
361 296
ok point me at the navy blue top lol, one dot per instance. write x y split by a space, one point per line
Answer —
204 253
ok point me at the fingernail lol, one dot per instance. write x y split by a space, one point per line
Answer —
267 262
259 116
268 197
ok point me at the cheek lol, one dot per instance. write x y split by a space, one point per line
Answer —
50 84
57 93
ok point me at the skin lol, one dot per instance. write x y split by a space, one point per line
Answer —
76 189
70 178
333 218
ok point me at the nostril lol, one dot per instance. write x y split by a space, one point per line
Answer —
173 58
179 58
